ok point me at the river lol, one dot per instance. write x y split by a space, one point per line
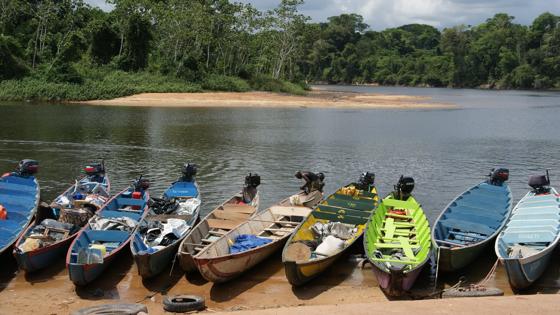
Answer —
445 150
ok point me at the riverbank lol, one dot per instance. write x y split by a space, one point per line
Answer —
535 304
343 287
313 99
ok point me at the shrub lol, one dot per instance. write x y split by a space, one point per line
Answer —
115 84
217 82
267 83
523 77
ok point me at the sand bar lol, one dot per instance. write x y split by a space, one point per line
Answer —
314 99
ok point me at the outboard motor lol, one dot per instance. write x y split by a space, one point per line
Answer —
499 176
95 171
367 180
404 188
141 184
27 167
189 171
540 183
312 181
320 183
252 181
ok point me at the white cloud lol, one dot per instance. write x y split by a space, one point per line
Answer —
101 4
381 14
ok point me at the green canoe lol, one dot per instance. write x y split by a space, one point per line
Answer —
397 242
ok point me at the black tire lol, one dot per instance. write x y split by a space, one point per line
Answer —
183 303
121 309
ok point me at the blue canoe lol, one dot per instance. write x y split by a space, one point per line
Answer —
95 191
470 223
130 205
20 196
151 261
526 245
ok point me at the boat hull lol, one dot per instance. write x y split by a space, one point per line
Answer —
522 273
152 264
200 231
396 283
20 195
519 246
186 262
83 274
450 260
494 200
226 268
300 273
42 257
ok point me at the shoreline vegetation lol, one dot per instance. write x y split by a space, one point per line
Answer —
70 51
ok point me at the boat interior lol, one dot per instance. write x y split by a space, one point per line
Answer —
274 223
219 222
111 239
399 236
474 216
19 199
534 225
339 207
125 206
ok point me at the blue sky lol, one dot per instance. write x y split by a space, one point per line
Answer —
381 14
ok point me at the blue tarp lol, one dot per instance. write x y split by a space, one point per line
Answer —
245 242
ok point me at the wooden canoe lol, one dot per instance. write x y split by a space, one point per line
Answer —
97 189
151 263
218 222
353 209
20 196
397 226
526 245
121 205
470 223
217 264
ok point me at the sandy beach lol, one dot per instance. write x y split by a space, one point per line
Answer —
314 99
345 288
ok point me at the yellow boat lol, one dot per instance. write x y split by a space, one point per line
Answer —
349 208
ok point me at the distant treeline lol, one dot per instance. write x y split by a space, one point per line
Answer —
76 51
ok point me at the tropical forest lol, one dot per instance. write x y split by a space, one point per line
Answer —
70 50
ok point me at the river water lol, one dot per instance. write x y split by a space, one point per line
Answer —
445 150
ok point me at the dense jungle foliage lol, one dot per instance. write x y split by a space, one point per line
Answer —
66 49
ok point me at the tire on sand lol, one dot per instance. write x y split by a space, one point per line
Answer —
183 303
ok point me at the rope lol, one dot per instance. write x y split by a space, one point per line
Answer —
479 286
437 268
490 274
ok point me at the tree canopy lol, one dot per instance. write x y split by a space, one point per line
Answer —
59 40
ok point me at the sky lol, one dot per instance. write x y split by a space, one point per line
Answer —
381 14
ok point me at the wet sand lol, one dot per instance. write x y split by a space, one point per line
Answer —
264 287
314 99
